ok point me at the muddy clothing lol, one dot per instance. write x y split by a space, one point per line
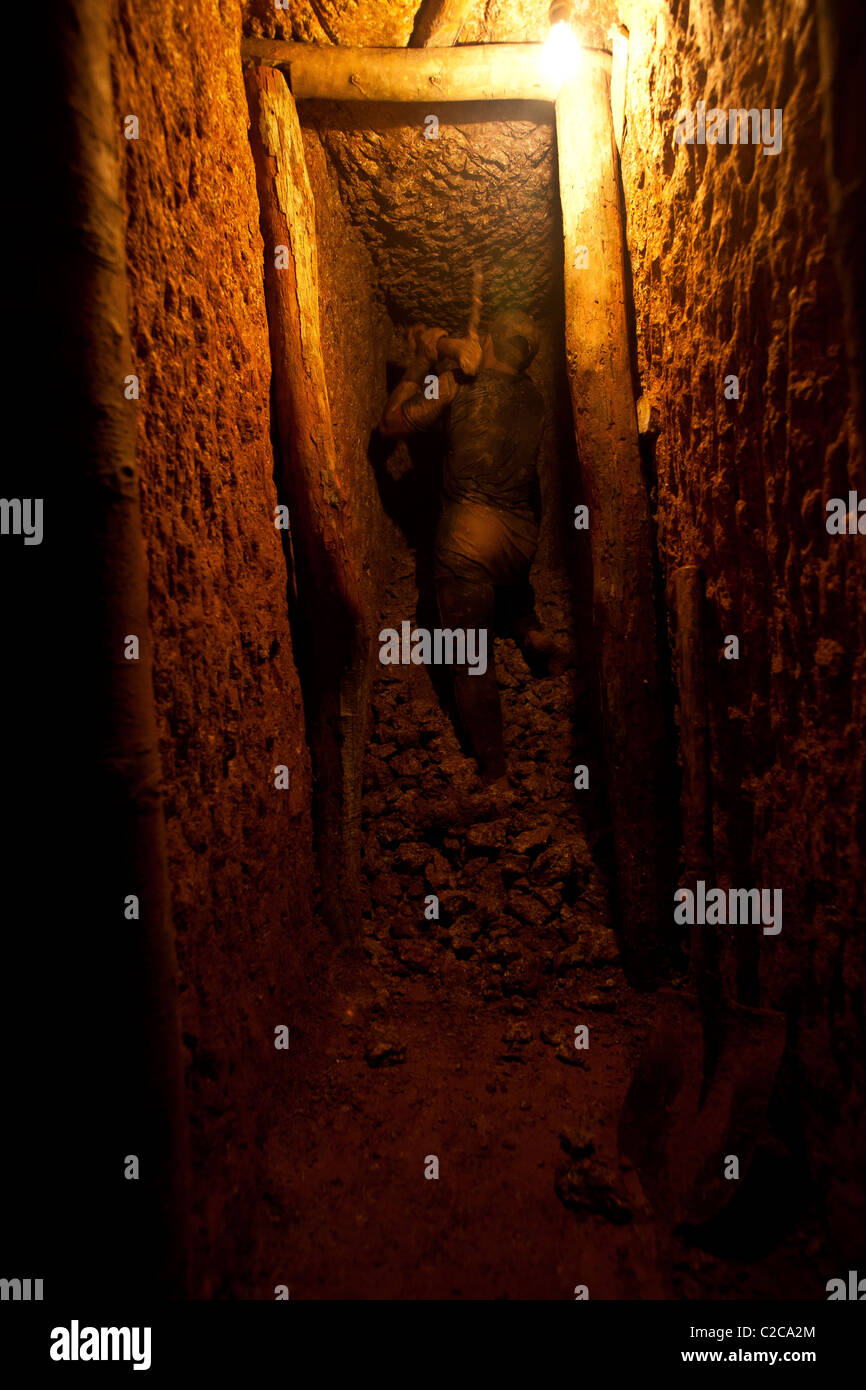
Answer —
488 530
494 428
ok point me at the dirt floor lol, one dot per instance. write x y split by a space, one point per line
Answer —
455 1039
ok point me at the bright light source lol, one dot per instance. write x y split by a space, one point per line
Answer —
562 56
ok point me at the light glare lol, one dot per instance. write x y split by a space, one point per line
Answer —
562 56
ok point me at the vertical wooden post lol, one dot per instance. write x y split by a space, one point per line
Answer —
328 584
620 525
618 75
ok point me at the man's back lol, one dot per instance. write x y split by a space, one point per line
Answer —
494 428
488 529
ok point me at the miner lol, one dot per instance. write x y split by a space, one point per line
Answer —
488 528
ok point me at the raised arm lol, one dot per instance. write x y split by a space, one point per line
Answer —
408 408
424 342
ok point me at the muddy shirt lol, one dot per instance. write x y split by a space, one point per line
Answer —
493 431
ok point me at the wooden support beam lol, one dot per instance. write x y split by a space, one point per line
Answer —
621 535
476 72
618 77
438 23
328 582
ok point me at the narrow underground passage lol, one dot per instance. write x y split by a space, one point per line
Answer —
482 1016
512 1073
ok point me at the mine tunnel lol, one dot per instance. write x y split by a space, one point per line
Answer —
390 1033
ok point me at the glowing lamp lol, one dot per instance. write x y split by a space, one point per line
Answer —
562 55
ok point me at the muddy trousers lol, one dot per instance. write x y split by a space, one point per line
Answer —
482 583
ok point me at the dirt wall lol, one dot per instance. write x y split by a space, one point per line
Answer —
227 691
734 276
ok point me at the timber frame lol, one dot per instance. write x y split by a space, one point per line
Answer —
589 126
473 72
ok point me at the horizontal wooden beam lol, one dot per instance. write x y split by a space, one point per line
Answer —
471 72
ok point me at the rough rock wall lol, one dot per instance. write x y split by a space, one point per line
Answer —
483 190
733 275
227 690
388 23
352 23
527 21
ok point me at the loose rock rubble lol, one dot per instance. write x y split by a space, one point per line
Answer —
384 1051
521 903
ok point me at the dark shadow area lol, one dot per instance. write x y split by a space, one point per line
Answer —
771 1202
411 497
396 115
628 279
668 767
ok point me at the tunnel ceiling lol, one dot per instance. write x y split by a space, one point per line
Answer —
485 189
388 23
